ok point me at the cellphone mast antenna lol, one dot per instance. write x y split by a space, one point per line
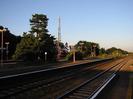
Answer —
59 39
59 30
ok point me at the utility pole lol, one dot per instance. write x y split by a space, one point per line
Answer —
74 54
2 48
59 30
7 51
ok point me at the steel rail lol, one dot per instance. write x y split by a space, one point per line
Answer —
24 89
70 92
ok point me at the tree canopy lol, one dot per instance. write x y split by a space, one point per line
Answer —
37 42
39 23
116 51
87 48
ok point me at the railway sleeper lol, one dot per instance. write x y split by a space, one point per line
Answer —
76 97
80 94
85 92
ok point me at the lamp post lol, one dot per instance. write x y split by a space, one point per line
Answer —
45 56
7 43
38 57
2 31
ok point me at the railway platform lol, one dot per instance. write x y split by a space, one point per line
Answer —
48 66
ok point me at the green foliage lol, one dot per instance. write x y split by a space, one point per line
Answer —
86 47
78 56
102 51
102 55
39 24
34 44
26 49
47 45
116 51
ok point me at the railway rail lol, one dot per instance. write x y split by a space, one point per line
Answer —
21 87
91 88
18 91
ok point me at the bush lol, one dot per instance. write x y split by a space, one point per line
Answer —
78 56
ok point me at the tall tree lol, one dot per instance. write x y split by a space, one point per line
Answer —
39 24
38 42
87 47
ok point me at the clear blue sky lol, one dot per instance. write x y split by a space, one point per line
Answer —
107 22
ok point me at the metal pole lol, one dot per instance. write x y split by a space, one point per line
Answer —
7 43
73 50
74 56
7 51
1 48
59 39
45 56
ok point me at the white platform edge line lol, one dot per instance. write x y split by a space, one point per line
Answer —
94 96
31 72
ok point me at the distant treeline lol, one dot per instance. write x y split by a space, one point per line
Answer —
37 44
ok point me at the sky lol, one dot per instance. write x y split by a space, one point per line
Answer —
107 22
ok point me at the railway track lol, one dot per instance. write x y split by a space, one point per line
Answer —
91 88
13 90
33 87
